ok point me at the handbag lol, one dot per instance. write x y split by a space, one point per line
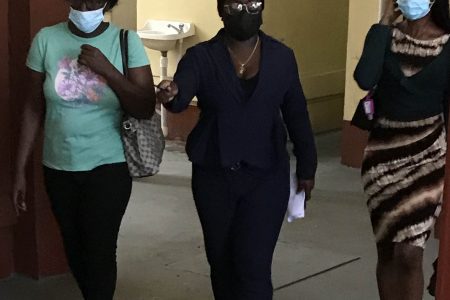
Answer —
364 117
143 140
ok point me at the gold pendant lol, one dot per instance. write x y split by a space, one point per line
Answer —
242 70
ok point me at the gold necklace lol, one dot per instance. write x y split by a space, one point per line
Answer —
243 66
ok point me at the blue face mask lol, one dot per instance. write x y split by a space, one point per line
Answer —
87 21
415 9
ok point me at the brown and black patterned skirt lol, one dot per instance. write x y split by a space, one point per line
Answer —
403 177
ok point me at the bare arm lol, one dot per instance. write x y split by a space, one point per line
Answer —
31 122
136 93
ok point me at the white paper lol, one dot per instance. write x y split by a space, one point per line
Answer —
296 207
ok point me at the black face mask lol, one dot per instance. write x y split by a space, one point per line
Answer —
243 26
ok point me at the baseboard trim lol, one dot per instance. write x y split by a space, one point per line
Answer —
354 140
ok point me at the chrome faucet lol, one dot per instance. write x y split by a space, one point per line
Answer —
179 29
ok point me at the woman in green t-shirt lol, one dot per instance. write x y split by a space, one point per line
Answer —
77 90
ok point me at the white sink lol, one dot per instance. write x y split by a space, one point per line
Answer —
163 35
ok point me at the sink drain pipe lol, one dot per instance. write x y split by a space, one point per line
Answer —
164 64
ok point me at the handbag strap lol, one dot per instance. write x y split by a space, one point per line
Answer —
124 50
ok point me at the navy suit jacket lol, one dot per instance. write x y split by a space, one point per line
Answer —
247 130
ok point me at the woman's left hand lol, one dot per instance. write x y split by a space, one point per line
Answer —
95 60
307 186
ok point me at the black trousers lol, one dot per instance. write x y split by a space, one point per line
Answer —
241 213
89 207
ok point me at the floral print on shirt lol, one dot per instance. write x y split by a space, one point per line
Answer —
77 84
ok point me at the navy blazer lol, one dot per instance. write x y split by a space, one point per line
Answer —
252 130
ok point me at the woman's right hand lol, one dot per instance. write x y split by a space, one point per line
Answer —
391 13
19 192
167 90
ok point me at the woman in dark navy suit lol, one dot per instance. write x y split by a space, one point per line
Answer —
248 91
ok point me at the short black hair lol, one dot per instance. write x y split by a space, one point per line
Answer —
221 3
440 13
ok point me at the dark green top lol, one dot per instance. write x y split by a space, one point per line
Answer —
398 97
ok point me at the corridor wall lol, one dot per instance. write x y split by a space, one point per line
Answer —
30 244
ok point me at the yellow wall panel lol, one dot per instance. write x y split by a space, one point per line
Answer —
316 30
125 14
362 14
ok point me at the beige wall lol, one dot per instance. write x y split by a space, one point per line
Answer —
199 12
316 30
362 14
124 14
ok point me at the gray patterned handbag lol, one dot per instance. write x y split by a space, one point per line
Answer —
143 140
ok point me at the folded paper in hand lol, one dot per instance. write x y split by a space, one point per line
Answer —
296 207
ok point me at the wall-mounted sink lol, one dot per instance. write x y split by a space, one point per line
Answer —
163 35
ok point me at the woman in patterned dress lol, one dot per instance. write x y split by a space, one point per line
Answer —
407 65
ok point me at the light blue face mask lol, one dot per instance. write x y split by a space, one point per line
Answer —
87 21
415 9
